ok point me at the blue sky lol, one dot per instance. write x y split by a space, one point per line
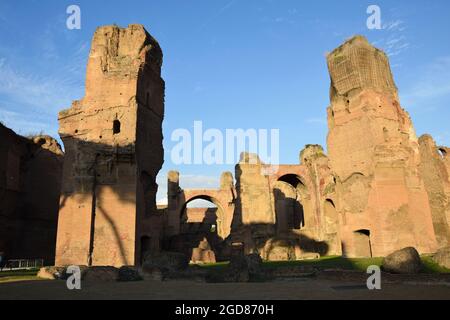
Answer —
231 64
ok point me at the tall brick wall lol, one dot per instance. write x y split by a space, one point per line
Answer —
113 141
30 181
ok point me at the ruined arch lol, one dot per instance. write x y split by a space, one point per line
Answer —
220 219
293 179
202 229
289 192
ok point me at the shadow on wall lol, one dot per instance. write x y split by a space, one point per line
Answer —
282 240
104 208
200 240
203 240
30 182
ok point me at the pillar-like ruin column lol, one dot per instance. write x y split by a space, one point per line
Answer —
113 145
374 151
173 205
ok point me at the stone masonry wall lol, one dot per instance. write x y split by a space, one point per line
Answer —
113 142
374 153
30 182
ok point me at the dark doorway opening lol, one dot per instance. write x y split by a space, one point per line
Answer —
116 127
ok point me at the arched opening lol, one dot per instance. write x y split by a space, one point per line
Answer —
200 214
116 126
201 229
291 203
293 179
361 243
442 152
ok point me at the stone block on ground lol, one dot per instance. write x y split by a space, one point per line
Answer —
404 261
100 274
128 273
51 273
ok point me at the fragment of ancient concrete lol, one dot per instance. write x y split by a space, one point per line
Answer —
30 183
374 154
113 144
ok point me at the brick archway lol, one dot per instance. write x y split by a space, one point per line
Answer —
220 198
223 198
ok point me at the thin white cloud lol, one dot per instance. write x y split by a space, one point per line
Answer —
443 138
187 181
317 120
215 16
162 201
434 83
24 124
396 25
45 93
395 41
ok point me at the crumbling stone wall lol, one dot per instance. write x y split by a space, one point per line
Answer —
298 199
435 174
30 182
113 143
199 232
374 154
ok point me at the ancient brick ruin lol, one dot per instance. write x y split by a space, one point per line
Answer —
30 183
375 156
113 152
379 189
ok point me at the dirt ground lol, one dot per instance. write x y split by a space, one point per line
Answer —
296 289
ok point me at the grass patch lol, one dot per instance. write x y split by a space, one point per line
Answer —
18 278
19 273
329 262
335 262
432 267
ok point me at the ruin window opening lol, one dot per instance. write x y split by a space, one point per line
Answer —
201 215
291 179
116 127
331 202
297 220
442 152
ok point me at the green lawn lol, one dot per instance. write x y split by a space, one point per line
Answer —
337 262
18 275
432 267
330 262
